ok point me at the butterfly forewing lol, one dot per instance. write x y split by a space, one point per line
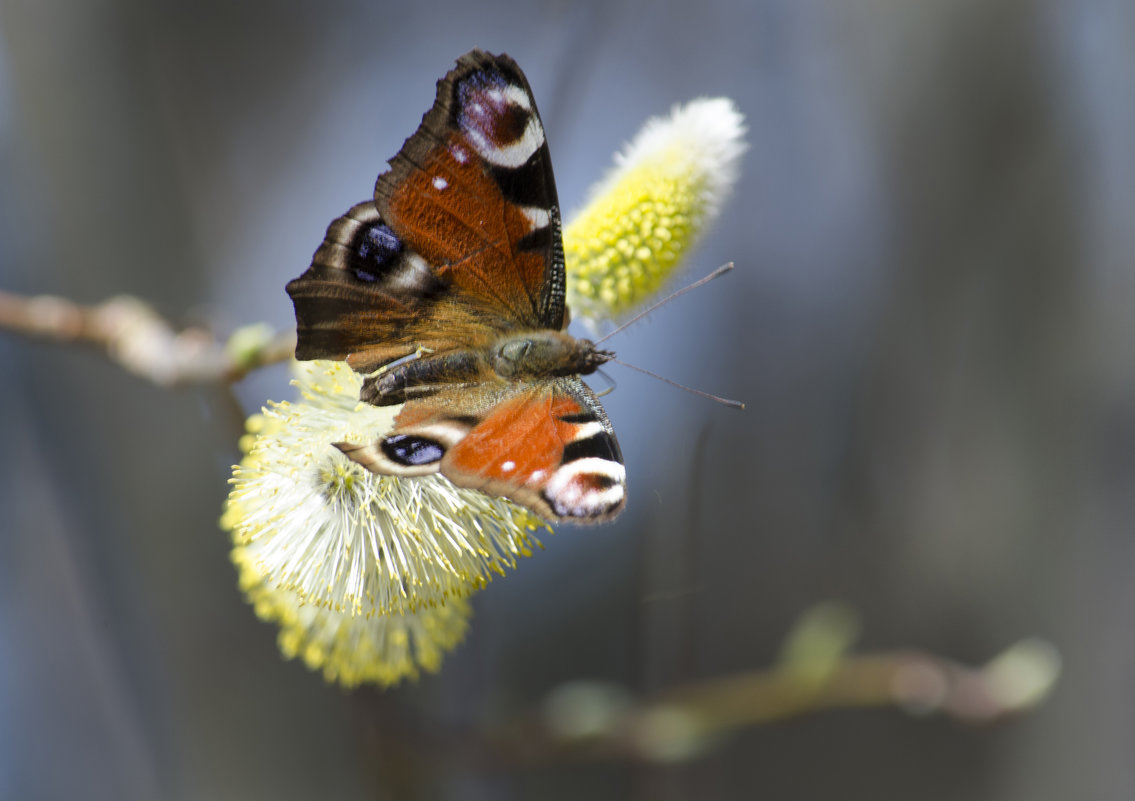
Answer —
472 191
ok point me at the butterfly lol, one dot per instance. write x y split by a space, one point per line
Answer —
446 292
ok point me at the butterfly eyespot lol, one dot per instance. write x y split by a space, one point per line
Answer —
378 248
409 450
587 488
497 117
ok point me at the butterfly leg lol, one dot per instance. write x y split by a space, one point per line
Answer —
395 381
419 353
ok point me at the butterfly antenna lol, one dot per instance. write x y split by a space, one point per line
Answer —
720 271
735 404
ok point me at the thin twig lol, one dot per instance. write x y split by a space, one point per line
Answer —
136 337
589 721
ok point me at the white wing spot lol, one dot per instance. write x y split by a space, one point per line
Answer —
509 465
537 217
440 183
518 96
459 154
587 431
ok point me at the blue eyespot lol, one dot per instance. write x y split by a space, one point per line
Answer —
376 246
406 449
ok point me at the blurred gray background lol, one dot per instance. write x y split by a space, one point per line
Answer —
931 324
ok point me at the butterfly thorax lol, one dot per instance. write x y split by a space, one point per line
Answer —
515 357
544 354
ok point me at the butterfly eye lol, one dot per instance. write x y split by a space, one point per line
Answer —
516 350
406 449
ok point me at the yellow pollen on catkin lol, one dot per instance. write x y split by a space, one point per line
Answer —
367 576
623 258
645 217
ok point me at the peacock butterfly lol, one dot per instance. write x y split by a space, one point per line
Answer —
446 291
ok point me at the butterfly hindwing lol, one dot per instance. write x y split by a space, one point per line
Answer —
548 446
364 295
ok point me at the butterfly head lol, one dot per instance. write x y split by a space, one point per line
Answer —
545 354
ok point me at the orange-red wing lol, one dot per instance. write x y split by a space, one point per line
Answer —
550 447
472 193
547 445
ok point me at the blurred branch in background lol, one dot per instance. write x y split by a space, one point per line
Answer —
592 721
138 339
815 672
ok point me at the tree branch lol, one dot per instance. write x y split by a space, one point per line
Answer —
594 721
135 336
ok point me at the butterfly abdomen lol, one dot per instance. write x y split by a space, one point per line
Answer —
415 377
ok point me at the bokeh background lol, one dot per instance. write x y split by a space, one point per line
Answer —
931 324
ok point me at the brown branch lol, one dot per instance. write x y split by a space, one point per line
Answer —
600 722
582 722
135 336
590 721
